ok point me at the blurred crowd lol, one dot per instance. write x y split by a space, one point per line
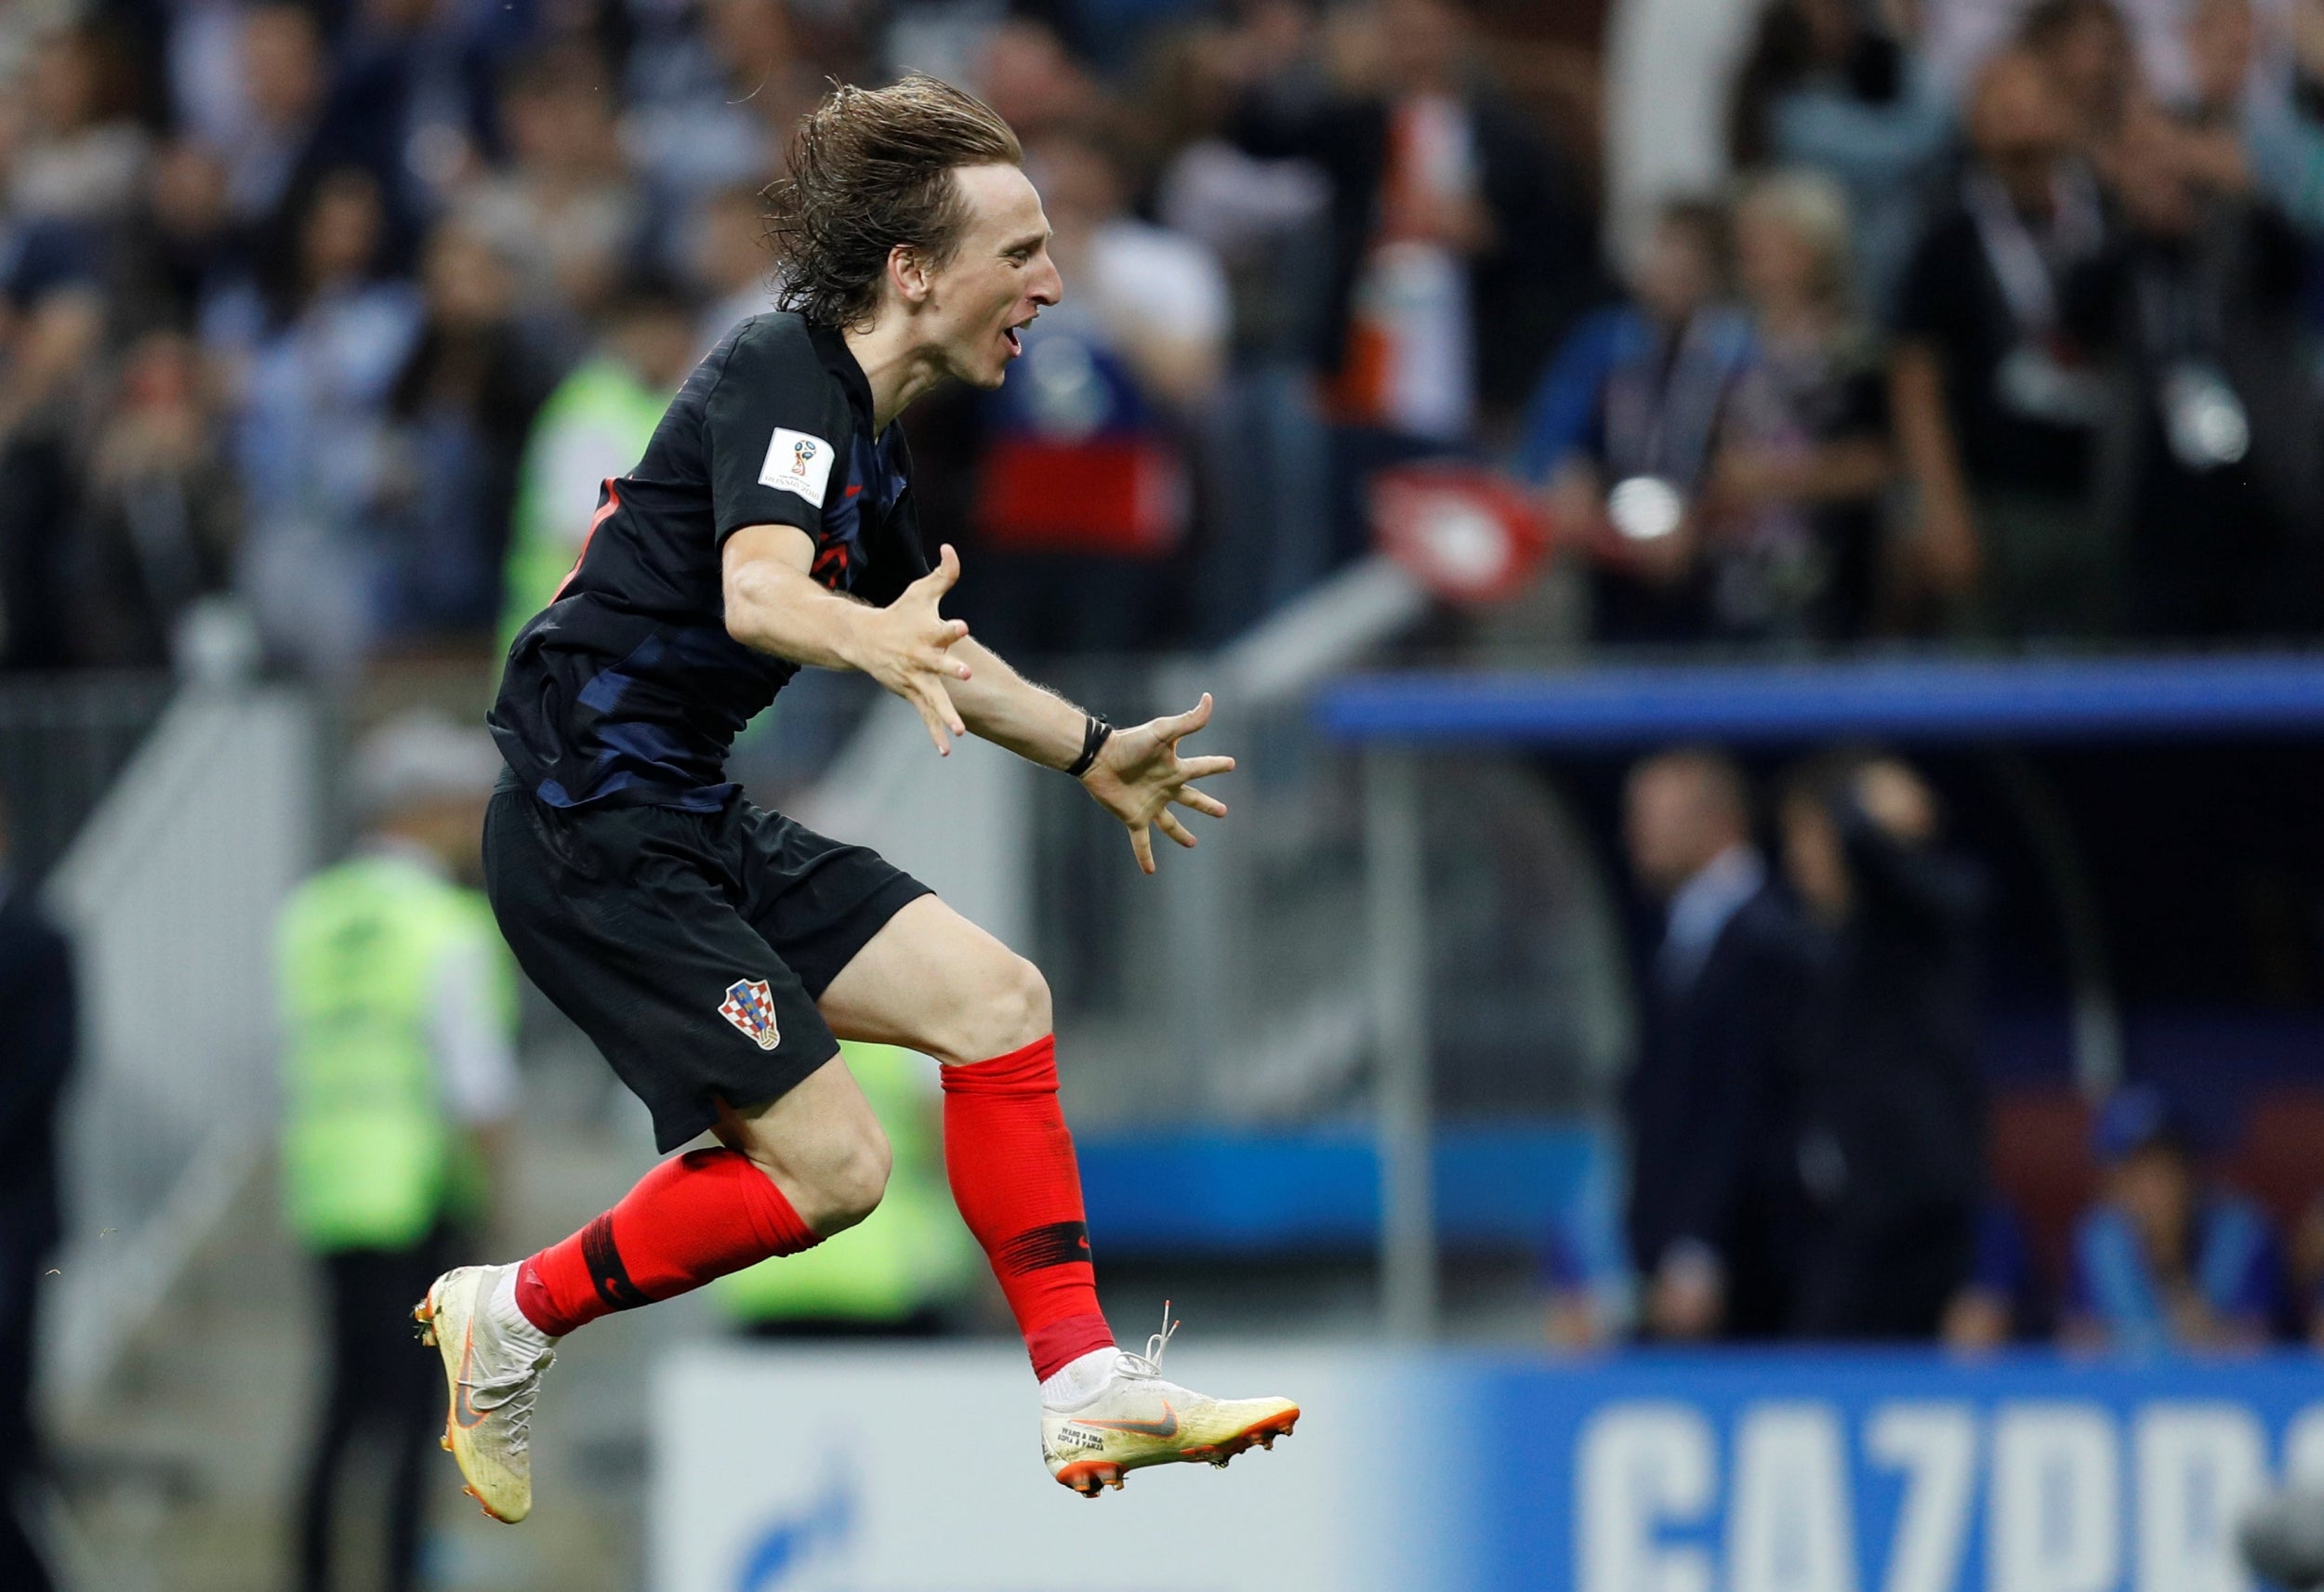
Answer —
2015 349
339 310
1810 1139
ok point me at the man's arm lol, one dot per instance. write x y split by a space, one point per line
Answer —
772 605
1931 460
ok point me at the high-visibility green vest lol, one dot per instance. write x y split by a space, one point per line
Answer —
909 1253
370 1158
596 424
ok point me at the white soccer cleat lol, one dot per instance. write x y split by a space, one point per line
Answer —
494 1381
1138 1419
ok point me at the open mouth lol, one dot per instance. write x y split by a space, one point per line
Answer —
1015 335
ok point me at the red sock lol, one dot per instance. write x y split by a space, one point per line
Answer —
693 1217
1011 1160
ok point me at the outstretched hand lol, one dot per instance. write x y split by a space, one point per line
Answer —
911 650
1139 777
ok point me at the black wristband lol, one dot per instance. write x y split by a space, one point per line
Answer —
1094 735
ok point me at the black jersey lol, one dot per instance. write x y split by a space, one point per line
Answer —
628 688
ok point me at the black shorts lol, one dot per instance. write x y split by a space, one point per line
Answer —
689 946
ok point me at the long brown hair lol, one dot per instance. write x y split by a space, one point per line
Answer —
870 169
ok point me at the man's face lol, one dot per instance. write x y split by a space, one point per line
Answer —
997 280
1671 826
2017 124
2155 1188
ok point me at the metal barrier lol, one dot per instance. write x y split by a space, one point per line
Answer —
63 740
169 894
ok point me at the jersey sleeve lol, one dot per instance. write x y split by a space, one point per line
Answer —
774 427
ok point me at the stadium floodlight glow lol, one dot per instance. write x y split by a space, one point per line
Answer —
1645 508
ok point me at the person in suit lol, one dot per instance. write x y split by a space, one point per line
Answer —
1892 1148
38 1026
1712 1206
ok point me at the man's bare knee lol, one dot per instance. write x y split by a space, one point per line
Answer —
839 1183
1010 1011
853 1188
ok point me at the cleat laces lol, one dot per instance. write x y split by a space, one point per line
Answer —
512 1397
1149 1364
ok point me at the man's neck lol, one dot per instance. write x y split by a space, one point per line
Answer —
898 370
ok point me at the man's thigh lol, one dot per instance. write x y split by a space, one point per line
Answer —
932 982
624 919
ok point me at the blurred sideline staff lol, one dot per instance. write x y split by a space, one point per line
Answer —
1892 1145
398 1010
1713 1206
906 1269
594 426
38 1033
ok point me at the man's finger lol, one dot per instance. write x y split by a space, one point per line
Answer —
940 580
937 712
1201 801
1143 846
941 700
1170 826
935 725
1203 767
1186 723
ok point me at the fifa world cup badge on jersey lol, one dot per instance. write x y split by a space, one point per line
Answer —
749 1005
798 463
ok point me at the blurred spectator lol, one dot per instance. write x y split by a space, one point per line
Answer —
1461 251
2283 119
1994 415
1893 1149
1621 429
52 326
159 512
398 1011
460 411
1836 85
727 263
714 92
907 1270
412 98
2163 1263
2000 1302
2306 1267
283 76
1027 74
320 345
1085 493
39 1023
565 214
1792 515
595 426
179 251
1269 223
2085 50
1714 1207
82 155
2216 484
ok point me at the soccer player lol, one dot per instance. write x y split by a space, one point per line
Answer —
717 952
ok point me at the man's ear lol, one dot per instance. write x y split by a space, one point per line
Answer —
909 275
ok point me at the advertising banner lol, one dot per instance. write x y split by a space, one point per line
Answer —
880 1470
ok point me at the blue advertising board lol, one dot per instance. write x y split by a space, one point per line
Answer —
1440 1471
1867 1472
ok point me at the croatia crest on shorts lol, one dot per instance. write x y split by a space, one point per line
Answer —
749 1005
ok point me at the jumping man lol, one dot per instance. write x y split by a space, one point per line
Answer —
717 952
